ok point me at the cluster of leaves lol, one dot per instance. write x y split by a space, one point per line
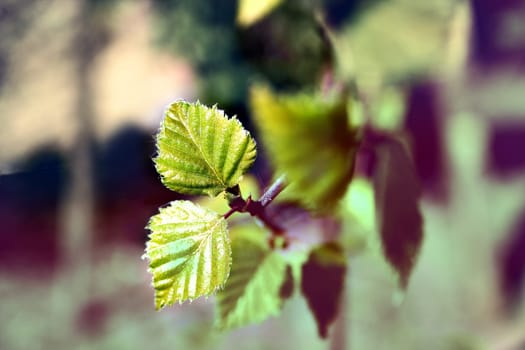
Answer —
193 252
313 141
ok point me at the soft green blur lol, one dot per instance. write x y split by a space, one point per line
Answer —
153 52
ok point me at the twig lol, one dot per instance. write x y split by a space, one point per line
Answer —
273 191
230 212
258 208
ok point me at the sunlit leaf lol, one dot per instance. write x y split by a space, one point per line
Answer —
189 252
308 139
397 206
200 150
250 11
323 277
258 283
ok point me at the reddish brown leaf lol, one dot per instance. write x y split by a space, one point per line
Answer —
397 195
287 287
322 283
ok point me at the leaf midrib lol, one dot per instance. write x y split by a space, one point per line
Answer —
205 237
199 148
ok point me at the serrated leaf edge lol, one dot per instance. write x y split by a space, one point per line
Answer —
214 290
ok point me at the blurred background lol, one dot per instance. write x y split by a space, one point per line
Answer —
83 85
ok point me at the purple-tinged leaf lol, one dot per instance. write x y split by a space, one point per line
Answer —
322 284
397 195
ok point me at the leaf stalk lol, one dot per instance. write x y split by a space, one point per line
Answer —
257 208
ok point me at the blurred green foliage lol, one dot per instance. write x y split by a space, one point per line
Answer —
394 41
253 291
286 48
207 36
452 301
309 139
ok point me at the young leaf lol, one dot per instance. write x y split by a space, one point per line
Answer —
250 11
189 252
258 283
397 206
322 283
308 139
200 150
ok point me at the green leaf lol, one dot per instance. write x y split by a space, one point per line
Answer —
189 252
322 284
308 139
397 206
251 11
258 283
201 151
